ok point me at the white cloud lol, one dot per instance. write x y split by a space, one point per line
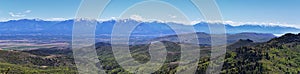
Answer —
27 11
56 19
261 23
233 23
16 14
137 17
20 14
4 19
172 16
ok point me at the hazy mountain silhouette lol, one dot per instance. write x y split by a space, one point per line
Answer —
36 26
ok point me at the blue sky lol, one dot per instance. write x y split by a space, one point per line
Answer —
251 11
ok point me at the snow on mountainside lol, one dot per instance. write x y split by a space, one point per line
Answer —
34 26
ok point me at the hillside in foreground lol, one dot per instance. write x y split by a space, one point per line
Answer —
279 55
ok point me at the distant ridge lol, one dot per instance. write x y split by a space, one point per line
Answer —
39 26
205 39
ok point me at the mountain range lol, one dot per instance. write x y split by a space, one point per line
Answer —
155 28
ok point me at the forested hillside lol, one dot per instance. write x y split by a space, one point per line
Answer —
279 55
